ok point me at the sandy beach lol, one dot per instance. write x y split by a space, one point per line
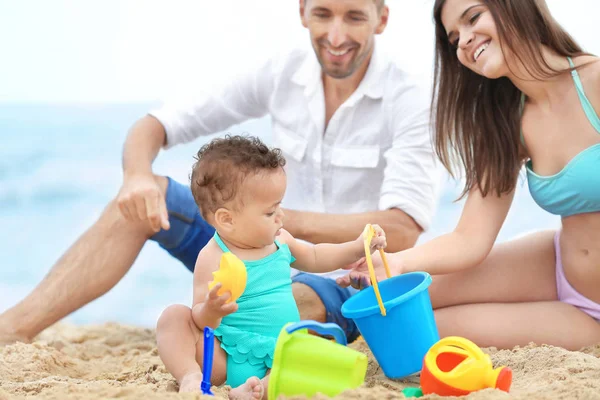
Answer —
117 361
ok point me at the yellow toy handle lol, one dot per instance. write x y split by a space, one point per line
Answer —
368 234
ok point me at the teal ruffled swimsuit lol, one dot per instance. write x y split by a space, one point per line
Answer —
249 334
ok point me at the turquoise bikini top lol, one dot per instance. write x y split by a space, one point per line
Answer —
576 188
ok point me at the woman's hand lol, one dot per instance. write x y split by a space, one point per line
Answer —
359 277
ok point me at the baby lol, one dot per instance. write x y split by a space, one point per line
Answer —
238 184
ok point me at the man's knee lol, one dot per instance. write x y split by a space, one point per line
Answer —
163 183
321 299
309 303
114 218
188 232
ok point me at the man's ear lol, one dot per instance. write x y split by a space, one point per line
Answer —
302 9
383 16
224 220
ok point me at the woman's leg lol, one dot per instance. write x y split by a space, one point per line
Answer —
511 299
505 325
521 270
181 348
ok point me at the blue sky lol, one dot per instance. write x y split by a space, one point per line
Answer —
140 50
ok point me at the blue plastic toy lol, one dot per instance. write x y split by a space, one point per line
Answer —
207 362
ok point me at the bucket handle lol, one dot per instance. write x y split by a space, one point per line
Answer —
328 328
368 235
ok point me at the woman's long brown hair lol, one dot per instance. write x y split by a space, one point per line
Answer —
476 119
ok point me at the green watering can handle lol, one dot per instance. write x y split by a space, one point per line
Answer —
329 328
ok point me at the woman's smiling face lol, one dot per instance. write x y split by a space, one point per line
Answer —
472 30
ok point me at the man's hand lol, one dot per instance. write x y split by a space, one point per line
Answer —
359 278
141 199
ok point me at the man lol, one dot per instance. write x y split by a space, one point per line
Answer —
352 126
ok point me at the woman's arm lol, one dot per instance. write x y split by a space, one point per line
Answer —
465 247
470 242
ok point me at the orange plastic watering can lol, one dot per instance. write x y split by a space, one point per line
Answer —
455 366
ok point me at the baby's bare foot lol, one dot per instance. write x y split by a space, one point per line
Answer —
190 382
251 390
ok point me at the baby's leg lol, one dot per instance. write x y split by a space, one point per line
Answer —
253 389
181 348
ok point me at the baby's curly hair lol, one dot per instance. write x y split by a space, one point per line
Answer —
221 167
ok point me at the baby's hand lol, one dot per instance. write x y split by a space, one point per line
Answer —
216 306
378 241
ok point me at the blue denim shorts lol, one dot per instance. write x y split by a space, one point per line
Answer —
189 232
333 296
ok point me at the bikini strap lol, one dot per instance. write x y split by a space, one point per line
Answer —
220 242
576 78
588 108
521 112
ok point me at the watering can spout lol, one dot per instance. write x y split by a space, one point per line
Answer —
499 378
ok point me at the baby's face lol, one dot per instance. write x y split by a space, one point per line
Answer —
260 220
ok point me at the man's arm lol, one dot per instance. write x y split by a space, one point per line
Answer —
400 229
244 97
145 139
140 197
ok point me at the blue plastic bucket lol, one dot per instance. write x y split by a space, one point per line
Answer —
400 340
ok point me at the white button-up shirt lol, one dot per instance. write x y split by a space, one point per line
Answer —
375 154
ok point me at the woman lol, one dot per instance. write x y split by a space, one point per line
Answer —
513 88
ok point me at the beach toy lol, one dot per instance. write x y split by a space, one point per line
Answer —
207 362
400 340
305 364
455 366
368 234
232 275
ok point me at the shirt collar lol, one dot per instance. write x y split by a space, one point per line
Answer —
309 75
